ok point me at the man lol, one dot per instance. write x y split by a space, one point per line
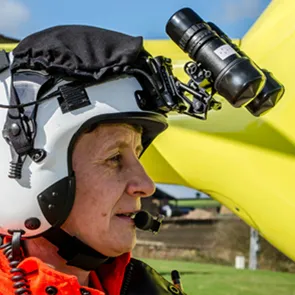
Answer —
73 134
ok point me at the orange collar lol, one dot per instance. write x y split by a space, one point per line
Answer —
41 276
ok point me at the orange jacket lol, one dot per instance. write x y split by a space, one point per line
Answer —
45 280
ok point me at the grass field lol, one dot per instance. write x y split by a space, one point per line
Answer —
205 279
197 203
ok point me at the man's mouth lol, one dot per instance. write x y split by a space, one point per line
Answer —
130 215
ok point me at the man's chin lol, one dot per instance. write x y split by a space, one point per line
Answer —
127 246
119 247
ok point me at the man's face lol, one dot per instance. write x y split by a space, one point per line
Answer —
110 181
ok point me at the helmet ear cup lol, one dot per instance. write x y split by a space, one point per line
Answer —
57 200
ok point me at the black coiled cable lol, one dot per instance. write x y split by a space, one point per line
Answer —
20 283
15 170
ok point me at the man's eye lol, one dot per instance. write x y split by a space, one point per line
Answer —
117 158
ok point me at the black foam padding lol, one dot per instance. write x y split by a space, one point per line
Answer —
143 220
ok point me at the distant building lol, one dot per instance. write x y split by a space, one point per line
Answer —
178 192
7 40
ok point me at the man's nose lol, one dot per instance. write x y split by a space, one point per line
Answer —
140 184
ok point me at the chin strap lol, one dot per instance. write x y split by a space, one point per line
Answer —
75 252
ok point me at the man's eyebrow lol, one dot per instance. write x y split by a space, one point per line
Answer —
123 144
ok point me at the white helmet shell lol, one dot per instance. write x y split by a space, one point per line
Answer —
44 195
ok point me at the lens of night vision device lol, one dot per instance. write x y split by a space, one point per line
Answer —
235 77
270 95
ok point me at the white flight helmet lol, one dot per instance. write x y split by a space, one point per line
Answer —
36 175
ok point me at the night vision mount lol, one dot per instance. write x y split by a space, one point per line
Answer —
166 93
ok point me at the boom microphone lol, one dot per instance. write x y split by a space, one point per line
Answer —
145 221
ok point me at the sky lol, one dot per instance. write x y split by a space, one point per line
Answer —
19 18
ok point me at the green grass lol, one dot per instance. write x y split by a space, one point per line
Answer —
197 203
206 279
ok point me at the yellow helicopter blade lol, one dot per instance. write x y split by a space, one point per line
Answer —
246 163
